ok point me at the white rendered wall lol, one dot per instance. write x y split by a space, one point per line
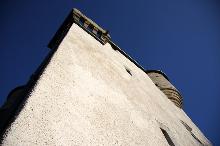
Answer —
86 97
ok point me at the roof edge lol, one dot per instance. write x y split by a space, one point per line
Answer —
159 72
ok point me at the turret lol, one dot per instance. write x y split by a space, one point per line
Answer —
162 82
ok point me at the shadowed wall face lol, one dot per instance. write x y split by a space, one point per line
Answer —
86 96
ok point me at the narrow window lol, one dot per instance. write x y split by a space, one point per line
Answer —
186 126
128 71
190 130
166 135
196 138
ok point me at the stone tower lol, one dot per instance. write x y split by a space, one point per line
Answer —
88 91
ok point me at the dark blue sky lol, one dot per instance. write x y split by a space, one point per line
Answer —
179 37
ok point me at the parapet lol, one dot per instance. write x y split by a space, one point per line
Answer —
88 24
75 16
162 82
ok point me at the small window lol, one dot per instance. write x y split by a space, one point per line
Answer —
190 130
196 138
128 70
166 135
186 126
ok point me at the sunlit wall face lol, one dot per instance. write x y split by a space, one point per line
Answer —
91 94
179 37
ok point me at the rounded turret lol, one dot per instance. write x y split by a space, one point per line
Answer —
162 82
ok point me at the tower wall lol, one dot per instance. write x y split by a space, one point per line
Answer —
91 93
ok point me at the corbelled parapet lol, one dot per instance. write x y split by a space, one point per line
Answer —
91 26
162 82
75 16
